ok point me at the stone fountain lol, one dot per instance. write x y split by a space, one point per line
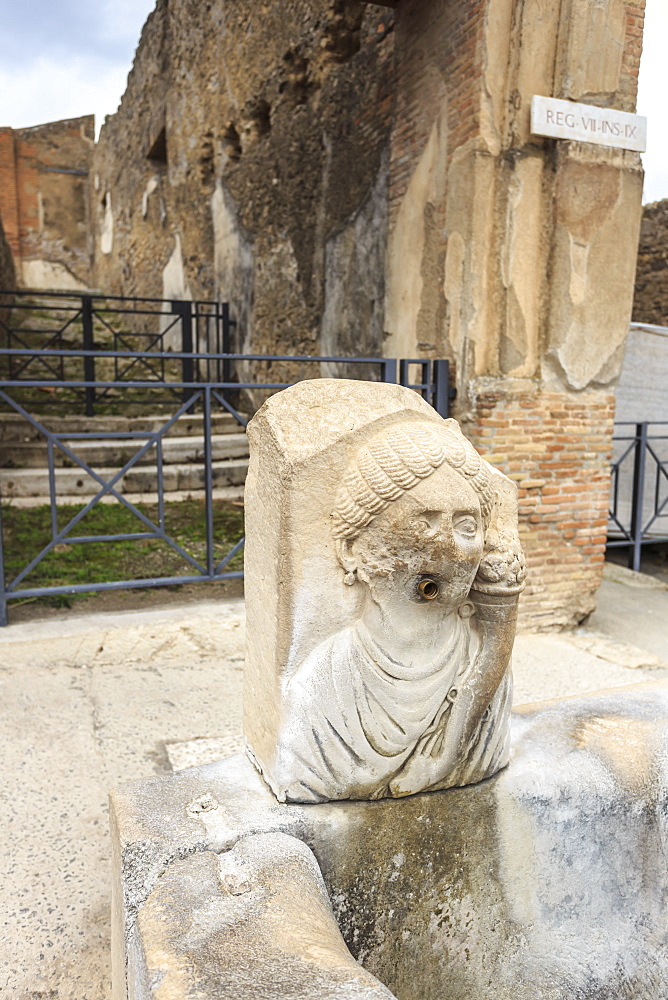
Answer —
393 829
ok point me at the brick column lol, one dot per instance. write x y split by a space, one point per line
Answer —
9 203
523 255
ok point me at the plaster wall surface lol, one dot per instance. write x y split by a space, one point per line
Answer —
640 393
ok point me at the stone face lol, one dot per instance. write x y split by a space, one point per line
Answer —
382 575
546 882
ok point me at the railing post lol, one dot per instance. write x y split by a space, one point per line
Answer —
208 481
638 496
227 345
184 310
3 592
389 370
89 345
441 390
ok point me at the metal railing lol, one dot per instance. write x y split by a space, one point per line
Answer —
639 488
44 335
198 392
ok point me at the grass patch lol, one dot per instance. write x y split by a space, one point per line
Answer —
27 531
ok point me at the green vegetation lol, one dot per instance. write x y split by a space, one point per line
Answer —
28 531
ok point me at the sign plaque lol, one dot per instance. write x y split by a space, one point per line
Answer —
587 123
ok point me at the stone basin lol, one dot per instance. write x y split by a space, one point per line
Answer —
547 881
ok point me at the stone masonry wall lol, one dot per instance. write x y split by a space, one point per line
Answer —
514 256
650 302
44 201
270 188
360 179
7 281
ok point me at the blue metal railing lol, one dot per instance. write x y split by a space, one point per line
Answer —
199 391
639 488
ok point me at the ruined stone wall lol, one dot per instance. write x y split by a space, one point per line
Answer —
650 301
44 201
272 188
539 279
356 179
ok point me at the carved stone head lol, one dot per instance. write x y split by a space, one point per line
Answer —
382 574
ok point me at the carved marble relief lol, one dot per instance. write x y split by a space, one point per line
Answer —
413 690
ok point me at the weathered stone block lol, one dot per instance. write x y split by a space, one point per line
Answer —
382 575
546 882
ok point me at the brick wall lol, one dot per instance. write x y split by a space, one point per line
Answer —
628 89
556 446
438 44
44 194
9 207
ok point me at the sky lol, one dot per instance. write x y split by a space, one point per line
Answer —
66 58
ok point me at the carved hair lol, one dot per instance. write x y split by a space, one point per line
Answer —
395 462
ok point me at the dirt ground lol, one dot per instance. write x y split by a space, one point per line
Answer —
126 600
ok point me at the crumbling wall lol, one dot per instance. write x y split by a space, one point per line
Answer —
248 160
44 201
514 255
650 301
361 178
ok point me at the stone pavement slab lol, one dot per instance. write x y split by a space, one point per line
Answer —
85 704
90 701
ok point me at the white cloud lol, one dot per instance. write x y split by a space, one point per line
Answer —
50 88
653 100
66 84
47 91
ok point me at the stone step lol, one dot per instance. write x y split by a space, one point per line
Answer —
116 452
231 494
15 428
143 479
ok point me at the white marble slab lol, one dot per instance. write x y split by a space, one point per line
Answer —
587 123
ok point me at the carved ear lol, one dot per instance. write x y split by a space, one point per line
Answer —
344 553
502 569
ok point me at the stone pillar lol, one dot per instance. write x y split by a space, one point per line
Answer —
526 255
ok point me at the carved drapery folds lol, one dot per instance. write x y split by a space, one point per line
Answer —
382 576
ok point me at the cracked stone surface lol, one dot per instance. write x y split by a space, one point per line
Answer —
89 702
81 713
